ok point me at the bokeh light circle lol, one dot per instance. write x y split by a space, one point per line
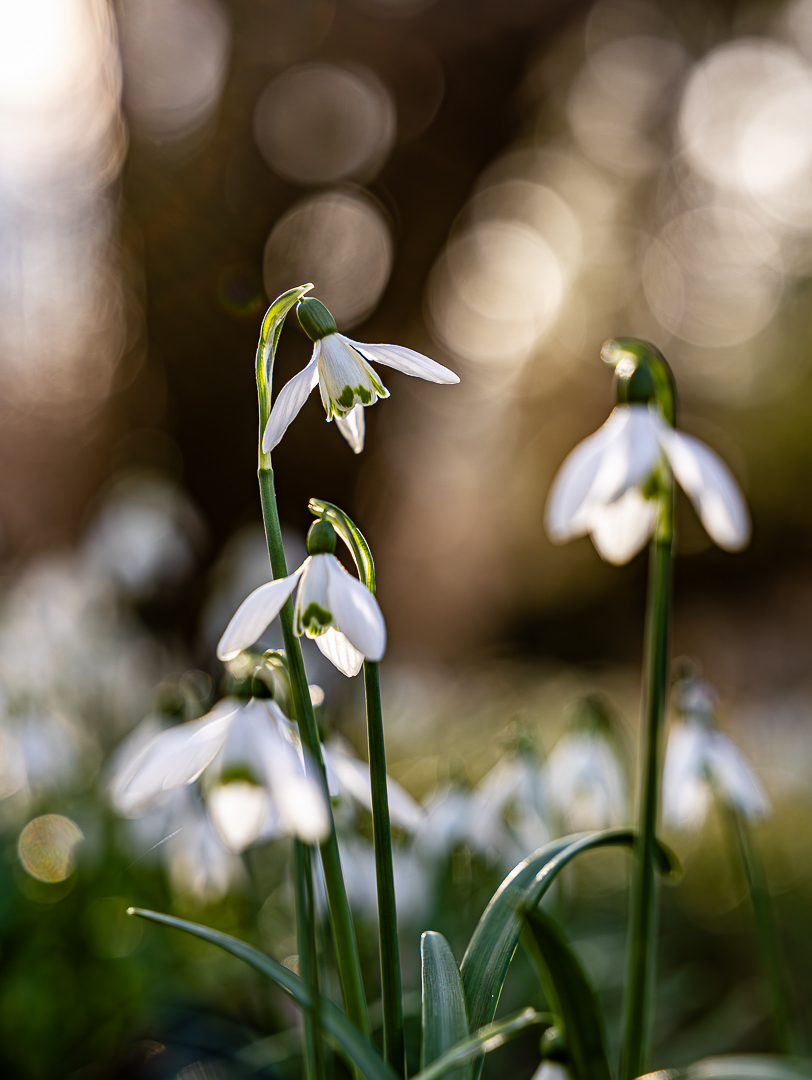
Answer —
338 240
46 847
318 123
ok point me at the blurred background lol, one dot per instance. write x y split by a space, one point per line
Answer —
503 186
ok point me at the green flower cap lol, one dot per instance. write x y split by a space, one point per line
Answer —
642 375
315 319
321 540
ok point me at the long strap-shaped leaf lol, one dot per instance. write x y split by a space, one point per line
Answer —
570 996
493 944
445 1020
358 1050
744 1067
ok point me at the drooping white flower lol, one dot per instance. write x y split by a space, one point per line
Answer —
701 761
347 382
601 487
510 810
331 606
348 775
258 788
587 786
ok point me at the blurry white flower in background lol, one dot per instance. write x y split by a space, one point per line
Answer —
42 753
412 879
447 821
600 487
702 762
509 810
250 744
586 779
347 775
143 536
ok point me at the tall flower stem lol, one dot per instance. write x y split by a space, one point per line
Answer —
643 902
349 967
308 958
391 990
786 1034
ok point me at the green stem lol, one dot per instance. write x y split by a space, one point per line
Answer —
643 900
349 967
786 1035
308 959
394 1050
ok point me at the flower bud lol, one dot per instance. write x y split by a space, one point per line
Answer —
315 319
321 540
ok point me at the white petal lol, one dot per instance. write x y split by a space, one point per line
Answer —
352 427
290 400
345 377
356 611
622 528
239 811
335 646
711 488
177 756
354 778
600 469
313 610
733 774
255 613
686 795
406 360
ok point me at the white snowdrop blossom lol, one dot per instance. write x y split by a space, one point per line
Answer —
257 784
701 761
601 487
510 810
587 785
348 775
347 382
331 606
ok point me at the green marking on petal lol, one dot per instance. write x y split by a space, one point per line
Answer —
363 395
346 399
238 773
316 614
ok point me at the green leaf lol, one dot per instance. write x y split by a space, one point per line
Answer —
744 1067
488 1038
493 943
357 1049
352 537
445 1021
570 996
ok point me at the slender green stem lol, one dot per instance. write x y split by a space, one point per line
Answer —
643 900
349 967
308 959
394 1050
391 989
786 1034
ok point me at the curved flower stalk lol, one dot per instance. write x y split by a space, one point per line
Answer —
608 485
586 780
341 368
259 786
331 606
701 760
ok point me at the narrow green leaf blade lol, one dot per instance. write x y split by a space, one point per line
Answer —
571 998
357 1049
445 1020
488 1038
740 1067
493 943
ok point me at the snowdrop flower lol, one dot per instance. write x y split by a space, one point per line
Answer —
332 606
447 821
510 810
701 761
610 483
342 369
258 786
348 775
587 785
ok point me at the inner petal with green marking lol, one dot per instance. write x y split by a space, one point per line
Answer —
345 378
